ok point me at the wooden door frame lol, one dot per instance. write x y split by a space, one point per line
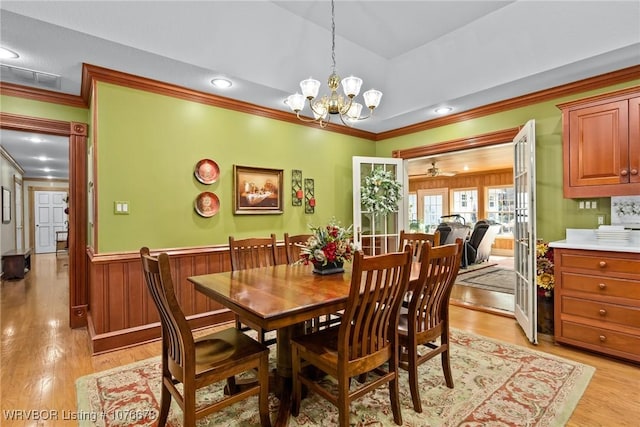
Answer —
77 133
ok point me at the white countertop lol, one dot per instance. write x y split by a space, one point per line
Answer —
586 239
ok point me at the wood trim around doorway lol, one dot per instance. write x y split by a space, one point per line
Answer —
77 134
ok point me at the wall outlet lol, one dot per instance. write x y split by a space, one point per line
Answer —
600 219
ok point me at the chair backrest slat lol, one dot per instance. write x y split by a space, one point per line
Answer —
176 333
417 241
429 302
371 316
252 252
292 245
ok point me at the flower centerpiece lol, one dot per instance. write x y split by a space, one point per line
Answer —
328 248
544 269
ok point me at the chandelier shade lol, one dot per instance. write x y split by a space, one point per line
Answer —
333 104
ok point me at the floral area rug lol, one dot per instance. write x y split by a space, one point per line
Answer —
493 279
495 384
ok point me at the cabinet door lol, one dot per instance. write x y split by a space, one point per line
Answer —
598 145
634 140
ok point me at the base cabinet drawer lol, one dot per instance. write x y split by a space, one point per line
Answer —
604 312
599 286
600 339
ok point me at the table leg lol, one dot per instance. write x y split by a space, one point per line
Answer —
284 371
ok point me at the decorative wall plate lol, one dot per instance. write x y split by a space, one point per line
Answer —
207 171
207 204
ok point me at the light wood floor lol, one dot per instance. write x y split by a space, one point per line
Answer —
42 357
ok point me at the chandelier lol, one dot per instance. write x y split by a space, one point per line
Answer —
334 103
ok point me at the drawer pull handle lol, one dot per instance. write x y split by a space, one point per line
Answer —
602 286
602 264
634 171
602 338
602 312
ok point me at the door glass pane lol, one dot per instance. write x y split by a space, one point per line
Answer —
501 208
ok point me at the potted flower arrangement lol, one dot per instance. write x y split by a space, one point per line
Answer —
544 269
328 248
545 282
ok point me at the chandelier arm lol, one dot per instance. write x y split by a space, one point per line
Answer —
345 122
345 108
367 116
322 123
313 109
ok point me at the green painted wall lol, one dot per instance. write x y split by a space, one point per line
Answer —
554 212
147 146
45 110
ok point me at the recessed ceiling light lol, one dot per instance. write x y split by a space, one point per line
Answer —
8 54
221 83
42 158
443 110
36 139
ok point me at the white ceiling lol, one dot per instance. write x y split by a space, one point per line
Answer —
420 54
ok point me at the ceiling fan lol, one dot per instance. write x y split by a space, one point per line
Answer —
434 171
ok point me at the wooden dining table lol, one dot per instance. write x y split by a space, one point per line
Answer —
280 298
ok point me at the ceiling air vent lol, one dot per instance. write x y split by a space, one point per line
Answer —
25 76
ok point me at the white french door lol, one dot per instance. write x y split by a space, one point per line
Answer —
49 218
524 181
376 233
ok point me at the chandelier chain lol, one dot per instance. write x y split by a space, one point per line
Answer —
333 36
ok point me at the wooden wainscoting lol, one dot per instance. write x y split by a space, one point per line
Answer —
121 312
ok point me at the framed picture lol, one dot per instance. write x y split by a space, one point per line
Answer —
6 205
257 190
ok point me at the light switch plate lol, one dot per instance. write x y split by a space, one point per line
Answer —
121 207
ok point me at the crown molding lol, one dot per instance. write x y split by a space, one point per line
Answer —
592 83
35 94
92 73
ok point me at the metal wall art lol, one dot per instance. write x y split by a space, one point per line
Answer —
309 196
296 188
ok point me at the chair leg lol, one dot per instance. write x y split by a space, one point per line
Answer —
343 402
263 399
394 392
413 379
189 412
165 404
446 368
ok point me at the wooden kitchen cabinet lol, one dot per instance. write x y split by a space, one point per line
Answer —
601 145
597 301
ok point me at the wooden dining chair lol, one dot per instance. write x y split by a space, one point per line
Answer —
417 240
199 362
253 252
426 320
364 341
292 245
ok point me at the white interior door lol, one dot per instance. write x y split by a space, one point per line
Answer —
375 233
524 182
49 218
